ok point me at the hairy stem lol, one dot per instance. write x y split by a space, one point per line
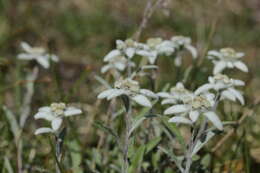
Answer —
128 124
58 153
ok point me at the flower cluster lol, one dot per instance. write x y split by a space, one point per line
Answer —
55 114
226 58
205 99
121 57
177 94
131 89
191 104
225 86
38 54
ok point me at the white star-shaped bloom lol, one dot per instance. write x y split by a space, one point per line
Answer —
225 85
176 94
181 42
194 107
155 47
55 114
38 54
116 61
131 89
227 58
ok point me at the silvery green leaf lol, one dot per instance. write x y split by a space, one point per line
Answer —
12 121
112 54
102 81
145 67
137 159
172 156
43 61
152 144
178 61
176 109
164 94
237 94
148 93
200 144
228 95
56 123
120 66
106 129
219 67
214 119
142 100
241 66
179 119
214 53
116 93
105 68
76 157
194 115
168 101
25 56
192 50
7 165
136 124
106 93
44 115
238 82
130 52
203 88
26 107
70 111
43 130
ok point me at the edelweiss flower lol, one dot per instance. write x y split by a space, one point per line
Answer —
177 94
115 61
128 47
130 88
181 42
55 114
155 47
225 86
226 58
37 53
196 105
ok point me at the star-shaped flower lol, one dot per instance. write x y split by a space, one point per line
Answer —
226 58
131 89
194 106
177 94
225 85
55 114
38 54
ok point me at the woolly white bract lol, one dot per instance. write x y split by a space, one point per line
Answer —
131 89
55 114
226 58
224 85
38 54
121 57
193 108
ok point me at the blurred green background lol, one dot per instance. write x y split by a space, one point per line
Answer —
81 32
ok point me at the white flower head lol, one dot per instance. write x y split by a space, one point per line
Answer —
225 85
116 61
194 107
182 42
185 42
127 47
177 94
226 58
37 53
131 89
55 114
